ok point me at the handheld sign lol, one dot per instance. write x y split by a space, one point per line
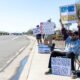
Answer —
68 14
36 31
47 27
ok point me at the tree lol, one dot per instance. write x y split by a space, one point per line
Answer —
29 32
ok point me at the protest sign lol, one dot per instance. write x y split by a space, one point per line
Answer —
47 27
68 14
42 48
36 31
61 66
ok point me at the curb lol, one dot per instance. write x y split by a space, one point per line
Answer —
26 70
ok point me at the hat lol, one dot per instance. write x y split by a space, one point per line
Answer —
76 32
70 32
37 26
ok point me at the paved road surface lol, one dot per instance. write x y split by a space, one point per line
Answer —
9 47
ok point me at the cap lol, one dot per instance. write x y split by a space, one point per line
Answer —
37 26
76 33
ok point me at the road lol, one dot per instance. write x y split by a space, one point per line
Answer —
10 45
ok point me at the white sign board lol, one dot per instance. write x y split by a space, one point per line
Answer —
42 48
36 31
61 66
47 27
68 14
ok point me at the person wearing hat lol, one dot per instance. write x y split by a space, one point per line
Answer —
72 48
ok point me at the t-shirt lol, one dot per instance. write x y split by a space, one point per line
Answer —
72 46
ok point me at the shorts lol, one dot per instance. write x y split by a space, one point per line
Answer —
38 36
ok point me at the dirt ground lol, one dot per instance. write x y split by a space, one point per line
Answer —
59 44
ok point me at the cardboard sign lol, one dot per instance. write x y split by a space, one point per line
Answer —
36 31
61 66
68 14
47 27
42 48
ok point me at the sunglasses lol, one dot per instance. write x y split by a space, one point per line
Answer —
74 35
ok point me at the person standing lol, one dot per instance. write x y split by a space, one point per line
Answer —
39 36
49 37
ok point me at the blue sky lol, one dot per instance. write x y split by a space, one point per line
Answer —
22 15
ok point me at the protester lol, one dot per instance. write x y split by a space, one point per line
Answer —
64 31
43 37
49 37
39 36
70 51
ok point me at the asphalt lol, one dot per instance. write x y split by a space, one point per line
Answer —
15 68
10 46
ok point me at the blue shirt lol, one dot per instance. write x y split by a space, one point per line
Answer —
72 46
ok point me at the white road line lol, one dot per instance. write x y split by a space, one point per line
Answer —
17 53
21 49
15 38
11 59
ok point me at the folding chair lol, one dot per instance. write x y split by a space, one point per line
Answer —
78 61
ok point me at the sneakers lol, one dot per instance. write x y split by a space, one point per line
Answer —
74 75
48 72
